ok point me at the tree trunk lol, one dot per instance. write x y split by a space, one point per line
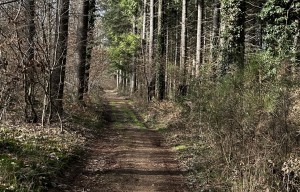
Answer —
144 19
124 82
161 51
133 85
58 71
216 31
151 39
182 85
82 49
240 35
29 77
167 71
297 45
117 79
151 33
259 34
175 74
142 78
200 36
90 44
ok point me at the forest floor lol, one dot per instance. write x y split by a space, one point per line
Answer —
126 156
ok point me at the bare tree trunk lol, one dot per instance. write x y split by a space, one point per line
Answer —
51 41
182 86
144 19
58 71
151 79
216 31
118 79
143 79
161 51
29 77
82 49
91 26
151 35
133 82
167 74
200 36
175 74
215 40
124 83
297 45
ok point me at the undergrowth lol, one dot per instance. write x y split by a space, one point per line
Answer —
33 157
246 136
239 132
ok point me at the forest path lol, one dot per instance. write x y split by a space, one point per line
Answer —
129 157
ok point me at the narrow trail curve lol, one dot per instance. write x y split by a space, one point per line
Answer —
129 158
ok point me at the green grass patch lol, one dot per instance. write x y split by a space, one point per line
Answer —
116 103
180 147
122 114
131 116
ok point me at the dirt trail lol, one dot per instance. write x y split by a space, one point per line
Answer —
129 157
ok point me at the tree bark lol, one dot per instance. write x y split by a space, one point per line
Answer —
90 44
133 79
82 49
144 19
150 79
200 36
161 51
58 71
142 72
151 32
216 31
297 45
182 85
176 80
29 77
